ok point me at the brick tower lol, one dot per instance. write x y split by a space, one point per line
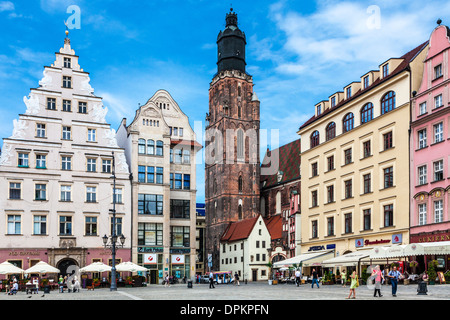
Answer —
232 161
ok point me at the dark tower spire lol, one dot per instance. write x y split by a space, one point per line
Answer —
231 45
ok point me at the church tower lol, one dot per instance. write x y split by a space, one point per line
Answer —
232 160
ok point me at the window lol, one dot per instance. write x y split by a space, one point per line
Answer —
367 180
314 171
186 156
422 108
314 229
348 186
150 147
67 82
141 146
40 225
422 174
41 161
150 234
367 219
348 122
438 170
92 135
117 195
67 62
22 160
422 135
438 101
422 214
91 165
180 236
438 71
348 223
66 133
14 190
178 155
82 107
438 211
388 174
388 215
333 102
65 225
66 193
319 109
159 175
367 113
91 194
14 224
388 102
118 223
40 130
385 70
330 131
330 226
91 226
367 152
106 165
240 145
348 92
150 174
387 140
175 131
51 104
67 105
330 194
141 174
159 148
66 163
438 130
180 209
178 180
180 132
314 202
150 204
366 82
40 192
314 139
330 163
348 156
187 182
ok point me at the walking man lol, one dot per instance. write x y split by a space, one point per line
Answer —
297 277
211 280
393 275
315 278
236 278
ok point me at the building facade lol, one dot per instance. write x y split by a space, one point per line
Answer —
232 164
55 171
201 262
355 186
430 146
160 148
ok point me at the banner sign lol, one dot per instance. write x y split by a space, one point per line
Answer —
177 259
150 258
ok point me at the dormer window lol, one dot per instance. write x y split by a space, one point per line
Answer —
438 71
366 82
348 92
333 102
385 70
319 109
67 63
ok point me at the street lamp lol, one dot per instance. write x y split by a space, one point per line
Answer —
113 238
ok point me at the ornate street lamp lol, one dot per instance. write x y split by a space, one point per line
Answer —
113 244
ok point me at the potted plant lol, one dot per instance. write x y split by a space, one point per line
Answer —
271 277
96 282
128 282
432 271
413 265
447 276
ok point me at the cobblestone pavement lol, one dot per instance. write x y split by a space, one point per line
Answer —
251 291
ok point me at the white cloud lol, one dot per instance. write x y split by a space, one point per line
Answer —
6 6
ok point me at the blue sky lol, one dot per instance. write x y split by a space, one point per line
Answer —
298 52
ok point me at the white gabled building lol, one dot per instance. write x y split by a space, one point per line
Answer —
55 174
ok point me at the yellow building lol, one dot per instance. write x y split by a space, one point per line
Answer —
355 164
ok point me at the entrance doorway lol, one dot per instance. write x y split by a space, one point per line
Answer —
153 276
254 274
67 267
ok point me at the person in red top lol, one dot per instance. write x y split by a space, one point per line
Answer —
378 276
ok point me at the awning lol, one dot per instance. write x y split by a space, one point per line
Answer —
427 248
347 260
314 258
388 252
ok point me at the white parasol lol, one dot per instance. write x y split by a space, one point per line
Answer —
42 267
129 267
8 268
96 267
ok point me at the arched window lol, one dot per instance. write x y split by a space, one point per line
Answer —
150 147
141 146
159 148
330 131
367 113
240 184
348 122
388 102
314 139
240 145
240 212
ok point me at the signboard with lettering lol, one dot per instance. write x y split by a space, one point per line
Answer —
177 259
150 258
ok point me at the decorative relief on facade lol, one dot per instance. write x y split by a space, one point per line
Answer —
122 165
19 129
99 113
32 104
110 137
85 86
46 80
5 158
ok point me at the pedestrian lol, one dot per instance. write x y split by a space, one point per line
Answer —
61 284
394 274
378 277
297 277
353 285
236 278
314 279
211 280
343 277
167 281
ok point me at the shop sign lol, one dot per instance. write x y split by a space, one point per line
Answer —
149 249
359 243
177 259
150 258
397 238
24 253
367 242
431 238
316 248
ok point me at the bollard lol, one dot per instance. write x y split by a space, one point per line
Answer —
422 288
189 284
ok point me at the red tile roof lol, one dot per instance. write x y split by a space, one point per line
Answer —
239 230
275 226
407 58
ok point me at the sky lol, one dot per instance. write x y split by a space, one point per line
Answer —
298 52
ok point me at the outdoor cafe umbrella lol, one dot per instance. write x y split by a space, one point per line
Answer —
42 267
8 268
129 267
96 267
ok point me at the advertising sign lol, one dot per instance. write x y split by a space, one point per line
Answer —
177 259
150 258
359 243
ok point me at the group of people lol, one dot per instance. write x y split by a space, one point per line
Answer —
13 286
71 283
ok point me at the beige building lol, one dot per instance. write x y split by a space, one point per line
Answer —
161 148
355 165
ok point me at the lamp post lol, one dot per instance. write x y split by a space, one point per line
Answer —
113 239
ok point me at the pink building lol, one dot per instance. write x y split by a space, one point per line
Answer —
430 147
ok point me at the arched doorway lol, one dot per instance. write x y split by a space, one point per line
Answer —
67 267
